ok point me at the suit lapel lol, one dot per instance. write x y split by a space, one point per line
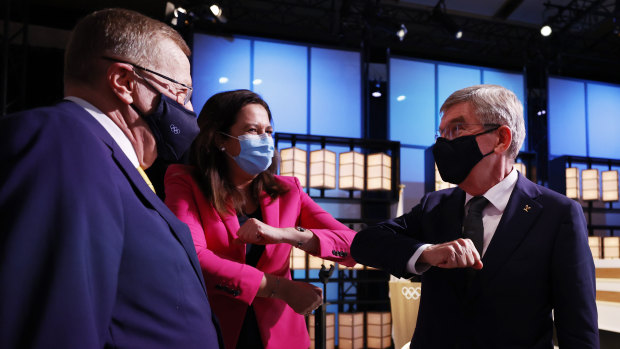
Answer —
521 212
270 209
231 222
451 228
451 217
143 190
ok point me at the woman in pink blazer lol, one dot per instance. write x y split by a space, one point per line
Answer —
244 221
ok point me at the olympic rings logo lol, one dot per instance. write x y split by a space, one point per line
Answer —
411 292
175 129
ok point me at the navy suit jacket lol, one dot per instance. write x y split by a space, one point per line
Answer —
537 261
90 257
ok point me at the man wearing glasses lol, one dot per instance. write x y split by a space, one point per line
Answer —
498 254
90 257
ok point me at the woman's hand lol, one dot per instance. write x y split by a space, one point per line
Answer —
301 296
256 232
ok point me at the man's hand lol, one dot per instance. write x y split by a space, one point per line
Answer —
460 253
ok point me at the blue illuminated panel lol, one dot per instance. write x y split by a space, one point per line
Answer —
452 78
567 117
412 102
412 165
281 78
335 96
604 120
513 82
218 64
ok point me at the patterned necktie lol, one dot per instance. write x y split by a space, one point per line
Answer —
146 178
472 227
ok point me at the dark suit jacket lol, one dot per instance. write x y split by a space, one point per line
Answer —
537 261
89 256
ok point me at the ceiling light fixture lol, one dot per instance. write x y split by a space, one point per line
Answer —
376 90
440 15
178 16
216 10
401 32
218 13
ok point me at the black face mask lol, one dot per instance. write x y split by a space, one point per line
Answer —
456 158
173 127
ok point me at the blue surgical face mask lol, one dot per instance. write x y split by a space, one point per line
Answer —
256 152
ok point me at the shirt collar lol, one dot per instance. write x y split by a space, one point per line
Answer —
117 134
499 194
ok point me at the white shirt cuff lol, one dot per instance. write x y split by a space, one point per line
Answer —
422 267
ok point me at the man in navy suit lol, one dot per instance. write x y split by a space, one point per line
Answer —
89 255
498 254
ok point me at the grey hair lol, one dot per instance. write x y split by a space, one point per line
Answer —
493 104
123 34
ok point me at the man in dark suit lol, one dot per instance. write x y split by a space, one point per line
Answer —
533 242
89 255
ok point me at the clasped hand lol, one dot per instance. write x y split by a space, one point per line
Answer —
254 231
301 296
460 253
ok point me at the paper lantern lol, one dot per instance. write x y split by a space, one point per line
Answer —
323 169
610 185
572 183
298 259
379 175
293 163
351 171
589 184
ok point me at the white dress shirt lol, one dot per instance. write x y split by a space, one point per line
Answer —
117 134
498 197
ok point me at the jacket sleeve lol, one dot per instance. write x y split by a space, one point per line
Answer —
222 276
334 237
574 283
61 236
390 244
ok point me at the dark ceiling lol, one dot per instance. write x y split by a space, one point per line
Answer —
497 33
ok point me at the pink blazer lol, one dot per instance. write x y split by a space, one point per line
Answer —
231 284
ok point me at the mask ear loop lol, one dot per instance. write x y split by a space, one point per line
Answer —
221 147
487 154
227 135
485 132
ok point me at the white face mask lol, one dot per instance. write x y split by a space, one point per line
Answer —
256 152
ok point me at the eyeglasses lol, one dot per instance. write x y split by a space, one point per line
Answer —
182 94
455 130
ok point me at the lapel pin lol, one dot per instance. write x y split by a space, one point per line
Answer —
527 208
